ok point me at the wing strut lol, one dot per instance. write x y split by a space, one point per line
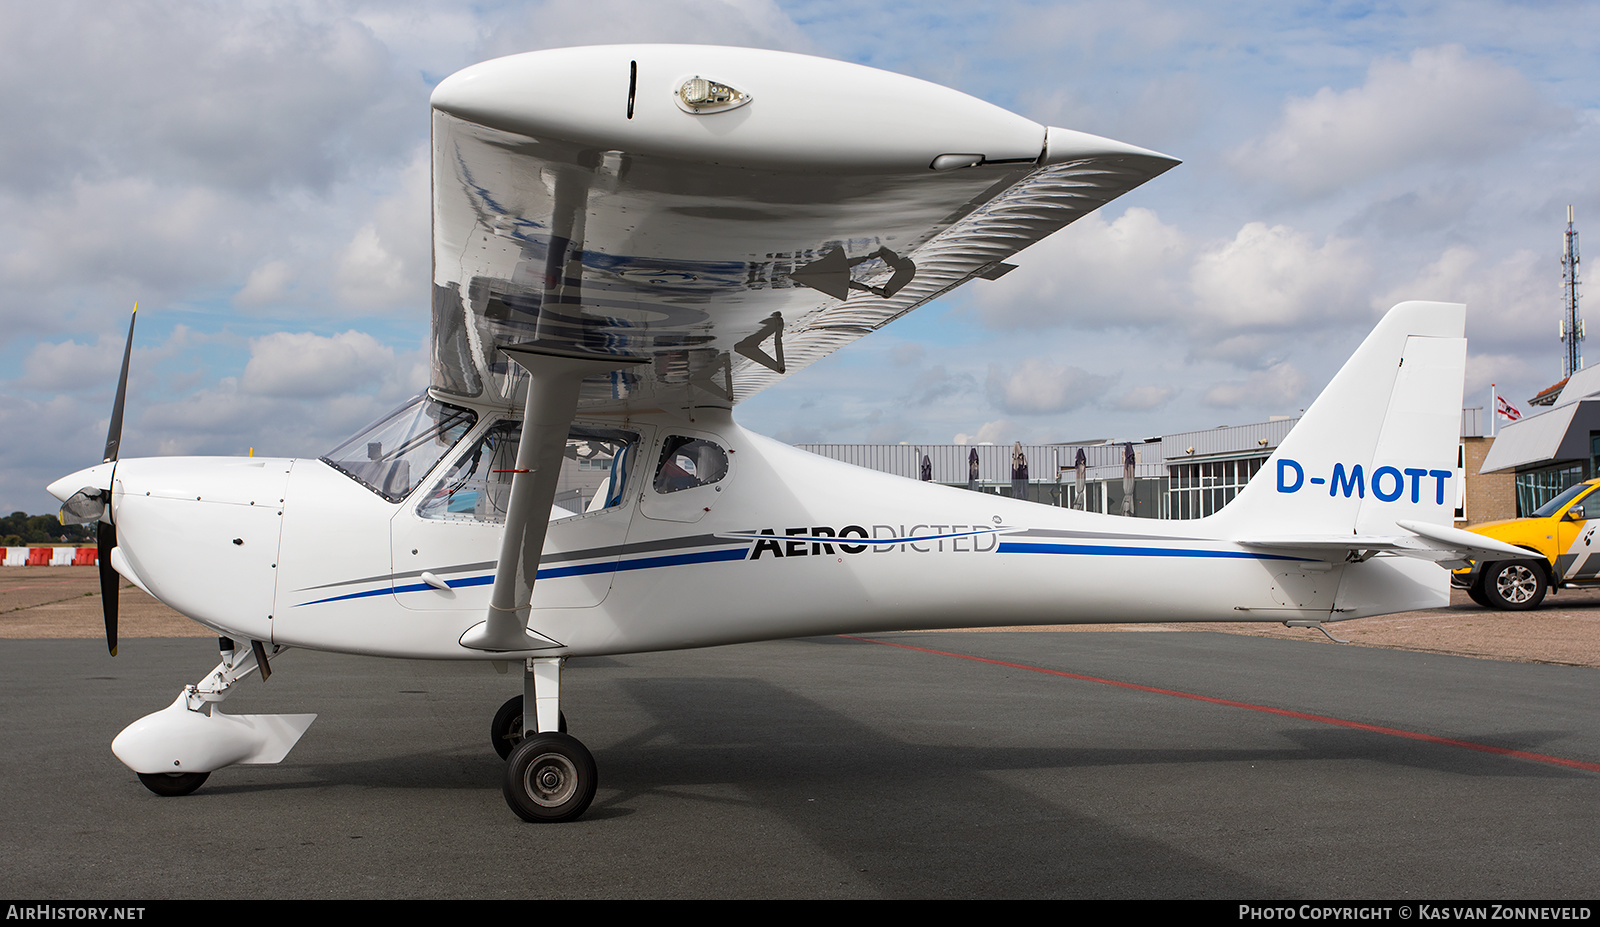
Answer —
553 380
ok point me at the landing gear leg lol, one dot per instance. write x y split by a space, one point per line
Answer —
550 776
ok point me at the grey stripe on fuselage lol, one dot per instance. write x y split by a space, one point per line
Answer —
1096 535
592 553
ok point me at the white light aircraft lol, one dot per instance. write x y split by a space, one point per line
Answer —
627 242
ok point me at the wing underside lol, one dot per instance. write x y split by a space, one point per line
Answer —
726 254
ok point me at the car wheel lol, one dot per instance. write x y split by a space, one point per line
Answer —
1515 585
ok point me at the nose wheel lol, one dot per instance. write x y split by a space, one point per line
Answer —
550 778
172 785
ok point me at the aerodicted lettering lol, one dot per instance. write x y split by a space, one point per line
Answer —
772 547
822 547
795 548
852 531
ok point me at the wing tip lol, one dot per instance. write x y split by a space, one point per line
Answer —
1070 145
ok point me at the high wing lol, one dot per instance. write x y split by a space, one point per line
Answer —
724 215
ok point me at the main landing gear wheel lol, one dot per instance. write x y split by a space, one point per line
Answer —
1514 585
505 731
171 785
549 778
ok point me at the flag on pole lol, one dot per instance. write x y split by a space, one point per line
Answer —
1507 409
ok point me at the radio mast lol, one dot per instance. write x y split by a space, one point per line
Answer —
1571 325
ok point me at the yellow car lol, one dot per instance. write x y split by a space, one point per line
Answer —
1559 535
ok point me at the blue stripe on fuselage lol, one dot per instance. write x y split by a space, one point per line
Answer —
1106 550
607 566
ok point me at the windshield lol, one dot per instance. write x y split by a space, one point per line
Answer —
1555 505
393 454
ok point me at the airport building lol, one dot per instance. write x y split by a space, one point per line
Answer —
1190 474
1559 447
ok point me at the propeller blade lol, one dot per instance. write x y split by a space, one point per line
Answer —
106 538
114 435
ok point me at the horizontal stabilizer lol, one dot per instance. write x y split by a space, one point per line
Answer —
1438 543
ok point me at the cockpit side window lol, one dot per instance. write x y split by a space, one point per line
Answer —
689 462
477 487
392 455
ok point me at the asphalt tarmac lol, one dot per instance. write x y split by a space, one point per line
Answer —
836 768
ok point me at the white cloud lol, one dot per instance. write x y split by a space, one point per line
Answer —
1442 105
1280 383
1143 398
70 366
988 433
907 354
1514 307
307 365
1038 387
266 285
753 23
129 228
938 385
1274 278
1230 298
369 275
1095 274
245 96
388 262
1511 302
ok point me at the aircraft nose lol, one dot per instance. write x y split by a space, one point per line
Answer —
201 535
95 477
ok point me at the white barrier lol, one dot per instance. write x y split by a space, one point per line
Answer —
58 556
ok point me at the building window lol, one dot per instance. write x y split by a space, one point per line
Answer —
1196 490
1537 487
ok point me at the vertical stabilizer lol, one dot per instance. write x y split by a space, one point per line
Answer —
1379 444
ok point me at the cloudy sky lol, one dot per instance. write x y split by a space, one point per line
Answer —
255 174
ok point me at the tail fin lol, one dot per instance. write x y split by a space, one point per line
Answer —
1378 446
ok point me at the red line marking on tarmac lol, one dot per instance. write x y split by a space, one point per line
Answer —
1303 716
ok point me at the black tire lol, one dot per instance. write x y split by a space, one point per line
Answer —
171 785
549 778
505 731
1475 591
1515 585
